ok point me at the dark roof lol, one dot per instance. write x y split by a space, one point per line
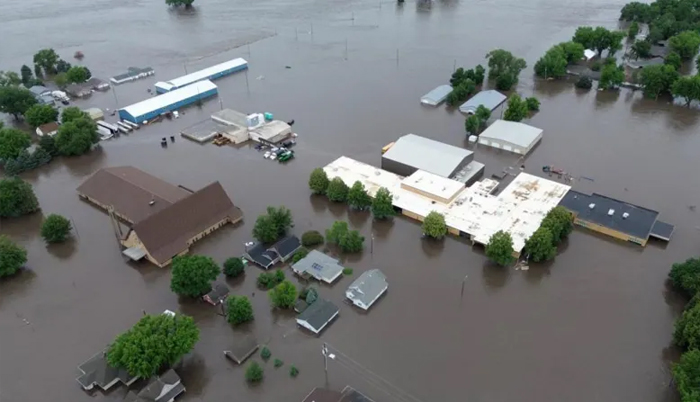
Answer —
287 246
218 292
260 255
638 223
160 389
242 349
319 313
97 371
165 233
130 191
323 395
662 230
352 395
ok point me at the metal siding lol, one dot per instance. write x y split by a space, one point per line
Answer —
176 105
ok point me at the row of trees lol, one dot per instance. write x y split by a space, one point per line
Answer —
554 62
464 83
349 241
357 197
519 108
504 68
599 39
665 18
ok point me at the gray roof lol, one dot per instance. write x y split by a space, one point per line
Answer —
97 371
160 389
319 313
368 287
437 95
230 117
662 230
638 223
491 99
39 89
287 246
320 266
516 133
426 154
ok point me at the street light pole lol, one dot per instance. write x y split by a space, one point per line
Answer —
324 351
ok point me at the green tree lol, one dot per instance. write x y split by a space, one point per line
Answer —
472 124
37 71
55 228
685 44
76 137
540 246
283 295
299 255
686 275
48 144
434 225
533 104
615 41
9 79
504 68
47 60
63 66
13 142
517 109
351 242
584 82
238 310
61 80
641 49
16 198
40 114
552 64
336 232
687 87
382 204
686 333
254 373
457 77
177 3
192 275
311 238
12 256
318 181
611 76
483 113
265 353
337 190
635 11
77 74
657 79
461 92
358 197
264 229
633 30
156 341
572 50
673 59
16 100
72 113
281 218
500 248
686 375
479 74
233 267
560 223
26 73
585 36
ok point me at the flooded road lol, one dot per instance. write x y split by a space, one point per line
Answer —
594 325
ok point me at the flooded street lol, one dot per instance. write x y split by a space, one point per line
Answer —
594 325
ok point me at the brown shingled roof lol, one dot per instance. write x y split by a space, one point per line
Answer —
130 191
165 233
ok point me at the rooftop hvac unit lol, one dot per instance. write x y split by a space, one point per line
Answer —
625 215
591 205
611 212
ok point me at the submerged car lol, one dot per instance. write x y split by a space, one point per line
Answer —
286 156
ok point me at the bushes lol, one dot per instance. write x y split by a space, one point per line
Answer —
233 267
299 254
238 310
268 280
311 238
337 190
55 228
349 241
254 373
584 82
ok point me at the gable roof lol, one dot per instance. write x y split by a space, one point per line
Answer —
491 99
368 287
285 247
39 89
96 371
161 389
165 233
130 191
319 265
425 154
319 313
516 133
260 255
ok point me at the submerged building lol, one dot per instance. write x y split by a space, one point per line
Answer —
209 73
490 99
511 136
168 102
436 96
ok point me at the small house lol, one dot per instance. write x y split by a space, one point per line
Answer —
217 295
318 315
49 129
79 90
97 84
97 372
164 388
95 113
367 288
46 99
261 256
286 247
318 266
39 90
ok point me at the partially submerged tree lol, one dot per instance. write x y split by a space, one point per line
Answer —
633 30
192 275
254 373
686 375
238 310
611 76
352 242
16 100
358 198
273 225
472 124
178 3
27 76
337 190
155 342
55 228
78 74
552 64
504 68
318 181
12 256
311 238
500 248
560 223
673 59
686 333
72 113
13 142
382 204
434 225
686 275
540 246
641 49
657 79
40 114
283 295
16 198
300 254
233 267
533 104
685 44
76 137
517 109
46 59
688 88
336 232
281 218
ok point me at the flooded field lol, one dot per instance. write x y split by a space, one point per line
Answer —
594 325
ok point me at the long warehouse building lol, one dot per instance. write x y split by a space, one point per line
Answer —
209 73
150 108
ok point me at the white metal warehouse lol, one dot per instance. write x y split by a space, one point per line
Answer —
511 136
209 73
167 102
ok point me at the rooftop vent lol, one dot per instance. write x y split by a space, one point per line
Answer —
591 205
611 212
625 215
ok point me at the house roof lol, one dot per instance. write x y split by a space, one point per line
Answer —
165 233
638 223
319 313
218 292
319 265
38 89
130 191
260 255
352 395
516 133
323 395
160 389
96 371
48 127
426 154
491 99
287 246
368 287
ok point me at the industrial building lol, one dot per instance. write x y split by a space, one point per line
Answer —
491 99
436 96
616 218
472 212
168 102
133 73
209 73
511 136
412 152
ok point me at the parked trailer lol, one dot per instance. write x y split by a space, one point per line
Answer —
130 124
124 126
104 132
123 130
111 127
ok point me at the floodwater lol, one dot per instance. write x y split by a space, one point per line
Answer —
594 325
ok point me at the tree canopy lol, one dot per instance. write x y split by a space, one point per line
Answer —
560 223
599 38
686 333
284 295
434 225
472 124
517 109
233 267
55 228
686 375
349 241
16 198
685 44
156 341
9 78
46 59
238 310
337 190
318 181
673 59
253 373
72 113
688 88
552 64
78 74
12 256
16 100
641 49
540 246
13 142
40 114
461 92
273 225
504 68
633 30
358 197
657 79
611 76
77 137
311 238
500 248
192 275
382 204
533 104
177 3
476 75
686 275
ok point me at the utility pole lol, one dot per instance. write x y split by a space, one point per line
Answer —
346 48
462 294
324 351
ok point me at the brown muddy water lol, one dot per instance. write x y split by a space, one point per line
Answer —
594 325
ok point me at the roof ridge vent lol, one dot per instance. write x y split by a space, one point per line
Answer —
611 212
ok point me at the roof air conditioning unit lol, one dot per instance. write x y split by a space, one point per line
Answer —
591 205
611 212
625 215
